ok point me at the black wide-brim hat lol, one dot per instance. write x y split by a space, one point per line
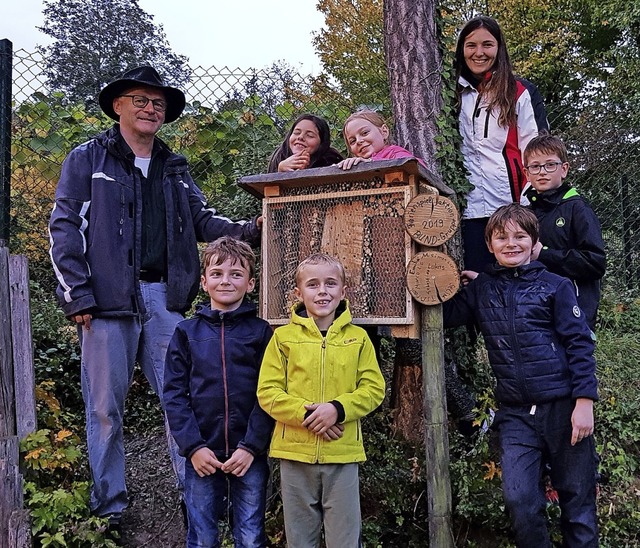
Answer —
142 76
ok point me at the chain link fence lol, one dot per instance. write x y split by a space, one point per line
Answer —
235 119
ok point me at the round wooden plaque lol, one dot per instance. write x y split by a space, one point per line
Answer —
432 277
431 219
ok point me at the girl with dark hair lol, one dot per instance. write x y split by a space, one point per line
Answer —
308 144
499 113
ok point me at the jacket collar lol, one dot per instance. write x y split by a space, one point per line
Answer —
116 145
464 83
527 271
468 80
552 197
343 316
246 309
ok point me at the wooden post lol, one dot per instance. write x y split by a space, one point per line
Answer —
432 278
436 434
14 520
24 375
7 413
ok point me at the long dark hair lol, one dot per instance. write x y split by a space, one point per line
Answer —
500 87
324 156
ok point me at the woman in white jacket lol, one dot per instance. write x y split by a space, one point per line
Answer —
499 114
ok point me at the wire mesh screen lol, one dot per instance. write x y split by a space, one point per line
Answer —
236 118
360 224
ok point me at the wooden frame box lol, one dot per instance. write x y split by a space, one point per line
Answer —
356 216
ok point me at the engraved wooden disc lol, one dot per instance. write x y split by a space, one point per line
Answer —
432 277
431 219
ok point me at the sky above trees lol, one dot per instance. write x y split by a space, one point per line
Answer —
247 34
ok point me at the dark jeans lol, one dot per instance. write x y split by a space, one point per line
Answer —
528 440
206 499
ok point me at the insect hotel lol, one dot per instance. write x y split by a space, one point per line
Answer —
373 218
387 222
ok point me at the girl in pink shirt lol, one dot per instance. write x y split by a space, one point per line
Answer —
367 137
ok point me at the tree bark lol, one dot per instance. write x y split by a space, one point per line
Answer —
414 66
406 391
414 63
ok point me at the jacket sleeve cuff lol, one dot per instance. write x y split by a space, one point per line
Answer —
190 453
340 409
251 450
83 305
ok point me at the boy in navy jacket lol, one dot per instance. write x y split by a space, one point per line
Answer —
541 352
571 242
211 376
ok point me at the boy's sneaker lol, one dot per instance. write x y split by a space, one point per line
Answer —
486 423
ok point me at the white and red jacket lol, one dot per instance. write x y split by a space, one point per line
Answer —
493 154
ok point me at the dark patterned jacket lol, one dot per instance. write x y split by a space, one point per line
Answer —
96 226
539 344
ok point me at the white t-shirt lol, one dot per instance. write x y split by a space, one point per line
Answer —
143 164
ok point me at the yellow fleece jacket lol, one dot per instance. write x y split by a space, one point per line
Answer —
300 367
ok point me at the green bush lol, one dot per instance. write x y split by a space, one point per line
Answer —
56 488
617 426
56 355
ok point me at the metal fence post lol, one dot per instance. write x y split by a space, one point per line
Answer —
6 64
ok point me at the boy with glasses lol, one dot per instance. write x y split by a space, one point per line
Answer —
571 242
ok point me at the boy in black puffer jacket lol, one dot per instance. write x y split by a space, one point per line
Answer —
541 352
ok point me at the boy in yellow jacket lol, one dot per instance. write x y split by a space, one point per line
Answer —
319 377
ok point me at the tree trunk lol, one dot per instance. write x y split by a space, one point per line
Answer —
414 65
406 391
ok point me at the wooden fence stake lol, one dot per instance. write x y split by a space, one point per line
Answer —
24 375
14 520
436 435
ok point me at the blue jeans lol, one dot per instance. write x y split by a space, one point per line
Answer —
529 439
110 349
206 499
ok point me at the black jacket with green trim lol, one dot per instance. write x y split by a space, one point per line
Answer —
572 243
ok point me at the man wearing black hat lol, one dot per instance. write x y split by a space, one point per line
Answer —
123 234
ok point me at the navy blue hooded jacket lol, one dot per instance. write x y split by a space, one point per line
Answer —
539 344
210 382
96 229
573 245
